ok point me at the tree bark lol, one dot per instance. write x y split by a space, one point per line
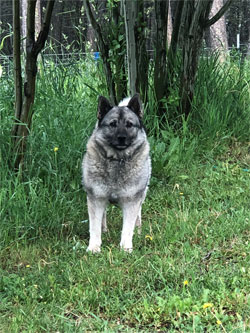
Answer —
160 70
141 84
24 4
196 20
218 33
192 42
17 62
118 32
137 58
33 48
130 13
170 24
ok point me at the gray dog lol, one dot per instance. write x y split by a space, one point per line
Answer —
116 168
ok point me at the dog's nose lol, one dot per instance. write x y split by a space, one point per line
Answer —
121 139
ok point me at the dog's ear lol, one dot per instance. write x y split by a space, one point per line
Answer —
104 107
136 106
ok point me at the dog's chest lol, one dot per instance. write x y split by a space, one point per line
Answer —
117 172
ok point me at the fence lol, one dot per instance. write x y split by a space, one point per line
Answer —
66 59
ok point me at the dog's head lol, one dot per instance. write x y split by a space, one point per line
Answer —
120 124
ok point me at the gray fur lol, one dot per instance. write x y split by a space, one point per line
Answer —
116 168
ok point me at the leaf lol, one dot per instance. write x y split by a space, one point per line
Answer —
2 42
183 177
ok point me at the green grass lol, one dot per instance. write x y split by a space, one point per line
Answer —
195 218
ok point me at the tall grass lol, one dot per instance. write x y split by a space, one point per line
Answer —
195 214
65 114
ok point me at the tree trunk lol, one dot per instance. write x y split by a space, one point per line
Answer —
170 24
245 28
192 42
38 18
160 70
17 63
130 13
137 57
118 32
104 50
24 23
196 20
141 84
218 33
33 48
174 45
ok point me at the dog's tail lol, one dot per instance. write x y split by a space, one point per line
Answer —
125 101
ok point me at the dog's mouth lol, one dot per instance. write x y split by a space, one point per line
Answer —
121 147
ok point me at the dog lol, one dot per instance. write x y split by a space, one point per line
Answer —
116 168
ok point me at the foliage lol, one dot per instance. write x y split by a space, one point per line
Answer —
190 268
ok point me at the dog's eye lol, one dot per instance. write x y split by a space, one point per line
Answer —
129 124
113 123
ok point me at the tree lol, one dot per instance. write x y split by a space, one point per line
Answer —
191 20
137 58
25 94
38 20
195 16
160 68
217 32
109 41
170 24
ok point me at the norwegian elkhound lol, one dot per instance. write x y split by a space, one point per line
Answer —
116 168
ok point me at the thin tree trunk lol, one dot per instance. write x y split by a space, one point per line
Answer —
24 23
176 28
218 33
170 24
33 48
119 53
137 58
38 18
160 70
196 20
141 84
130 13
104 50
191 48
174 45
17 63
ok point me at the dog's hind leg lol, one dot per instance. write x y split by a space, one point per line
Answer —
96 210
104 223
138 222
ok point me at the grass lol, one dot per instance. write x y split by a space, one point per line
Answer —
190 267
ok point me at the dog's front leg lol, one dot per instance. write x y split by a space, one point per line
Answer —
130 210
96 210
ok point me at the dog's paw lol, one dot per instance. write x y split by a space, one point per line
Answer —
127 249
104 229
93 249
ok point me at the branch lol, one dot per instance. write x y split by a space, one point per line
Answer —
31 9
218 15
103 48
43 35
176 27
94 24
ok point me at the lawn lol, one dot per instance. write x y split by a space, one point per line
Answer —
189 270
